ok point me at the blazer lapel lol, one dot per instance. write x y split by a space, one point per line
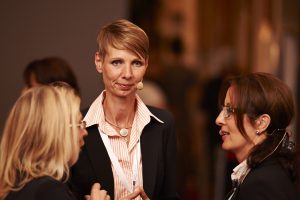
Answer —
100 160
149 139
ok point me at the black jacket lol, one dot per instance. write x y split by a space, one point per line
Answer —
44 188
268 181
158 149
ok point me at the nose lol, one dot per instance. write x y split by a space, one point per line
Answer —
220 119
128 71
83 132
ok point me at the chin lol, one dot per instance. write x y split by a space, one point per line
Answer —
226 147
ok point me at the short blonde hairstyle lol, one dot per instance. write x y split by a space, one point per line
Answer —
123 34
37 139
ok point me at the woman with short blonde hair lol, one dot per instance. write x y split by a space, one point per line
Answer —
130 144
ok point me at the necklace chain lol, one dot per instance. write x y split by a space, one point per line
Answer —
123 131
117 125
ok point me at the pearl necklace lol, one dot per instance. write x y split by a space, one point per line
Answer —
123 131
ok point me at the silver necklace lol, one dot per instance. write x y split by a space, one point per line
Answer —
123 131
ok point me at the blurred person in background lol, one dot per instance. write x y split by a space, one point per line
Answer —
153 95
47 70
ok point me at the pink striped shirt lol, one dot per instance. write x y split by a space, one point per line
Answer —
125 153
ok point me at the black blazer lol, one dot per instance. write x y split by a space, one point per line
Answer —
44 188
268 181
158 149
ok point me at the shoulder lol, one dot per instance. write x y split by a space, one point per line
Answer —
165 129
268 171
42 188
268 180
50 188
164 115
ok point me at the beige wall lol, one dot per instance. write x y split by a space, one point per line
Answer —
34 29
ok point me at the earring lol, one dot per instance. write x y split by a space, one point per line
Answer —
99 68
257 132
140 85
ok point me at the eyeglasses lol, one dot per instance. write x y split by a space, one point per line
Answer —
227 111
81 125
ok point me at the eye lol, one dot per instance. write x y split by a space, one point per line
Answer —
137 63
230 109
116 62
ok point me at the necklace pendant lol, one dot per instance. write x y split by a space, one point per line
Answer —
123 132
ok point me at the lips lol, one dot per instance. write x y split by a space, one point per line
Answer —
125 86
222 133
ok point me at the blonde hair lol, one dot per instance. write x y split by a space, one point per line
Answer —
37 139
123 34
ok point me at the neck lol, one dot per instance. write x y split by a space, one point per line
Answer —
241 156
118 112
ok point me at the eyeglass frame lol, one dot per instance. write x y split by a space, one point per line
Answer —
81 125
227 111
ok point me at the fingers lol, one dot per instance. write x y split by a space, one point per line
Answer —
138 191
97 193
144 195
96 186
133 194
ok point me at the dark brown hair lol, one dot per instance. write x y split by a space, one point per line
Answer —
260 93
50 69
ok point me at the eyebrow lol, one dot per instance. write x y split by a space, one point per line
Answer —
115 58
228 105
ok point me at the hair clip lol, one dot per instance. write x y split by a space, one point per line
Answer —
290 145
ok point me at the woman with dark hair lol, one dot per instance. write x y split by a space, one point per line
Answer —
48 70
256 111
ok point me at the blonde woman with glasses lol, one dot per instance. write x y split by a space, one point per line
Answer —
41 140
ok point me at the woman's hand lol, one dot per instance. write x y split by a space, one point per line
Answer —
138 191
97 193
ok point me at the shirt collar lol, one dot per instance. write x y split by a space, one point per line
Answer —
240 172
95 114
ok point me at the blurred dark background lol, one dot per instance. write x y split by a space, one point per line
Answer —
194 45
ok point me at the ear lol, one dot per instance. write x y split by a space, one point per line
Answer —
98 62
263 122
146 63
